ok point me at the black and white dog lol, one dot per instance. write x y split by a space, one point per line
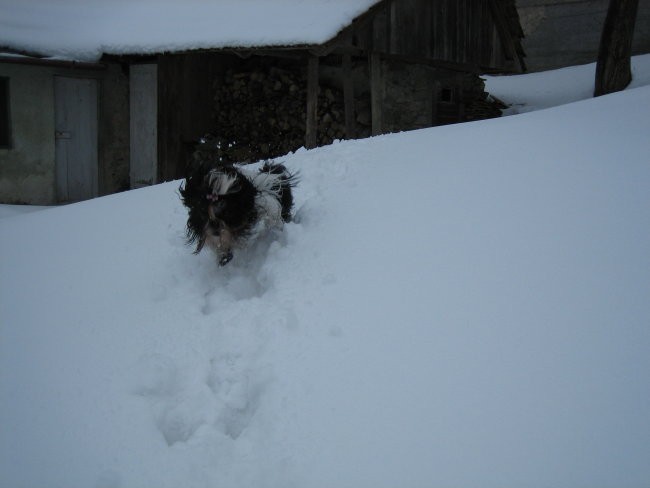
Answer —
229 206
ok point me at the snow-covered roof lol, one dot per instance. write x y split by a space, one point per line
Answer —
83 30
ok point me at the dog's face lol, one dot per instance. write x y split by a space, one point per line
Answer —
220 187
221 204
221 183
231 198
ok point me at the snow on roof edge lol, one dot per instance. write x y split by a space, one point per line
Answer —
85 32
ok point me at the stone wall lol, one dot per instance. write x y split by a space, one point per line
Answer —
417 96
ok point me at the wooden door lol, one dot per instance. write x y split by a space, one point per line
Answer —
143 93
75 109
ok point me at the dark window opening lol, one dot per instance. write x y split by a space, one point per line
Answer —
447 95
5 133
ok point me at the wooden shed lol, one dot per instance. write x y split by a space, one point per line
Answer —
402 65
203 77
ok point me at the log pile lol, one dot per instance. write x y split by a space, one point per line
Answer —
260 113
260 109
480 109
478 104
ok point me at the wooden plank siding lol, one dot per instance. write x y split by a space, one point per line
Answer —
401 65
466 32
185 101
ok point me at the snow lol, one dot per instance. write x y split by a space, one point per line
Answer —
536 91
12 210
83 30
459 306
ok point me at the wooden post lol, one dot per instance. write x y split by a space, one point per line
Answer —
510 51
375 92
170 104
613 72
461 108
434 106
311 130
348 97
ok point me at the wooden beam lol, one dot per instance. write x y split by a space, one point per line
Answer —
348 98
434 63
311 129
58 63
505 36
434 105
376 95
169 67
461 107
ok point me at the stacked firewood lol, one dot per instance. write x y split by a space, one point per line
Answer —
260 113
480 109
479 105
331 116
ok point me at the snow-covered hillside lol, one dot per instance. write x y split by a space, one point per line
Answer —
462 306
535 91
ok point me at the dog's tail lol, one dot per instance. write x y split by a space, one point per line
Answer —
281 184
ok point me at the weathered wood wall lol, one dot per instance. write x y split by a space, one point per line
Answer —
184 107
563 33
404 64
475 33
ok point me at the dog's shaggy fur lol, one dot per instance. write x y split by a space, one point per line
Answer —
229 206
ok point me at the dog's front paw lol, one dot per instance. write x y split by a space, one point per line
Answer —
225 258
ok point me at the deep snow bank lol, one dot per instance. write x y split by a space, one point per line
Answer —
461 306
535 91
